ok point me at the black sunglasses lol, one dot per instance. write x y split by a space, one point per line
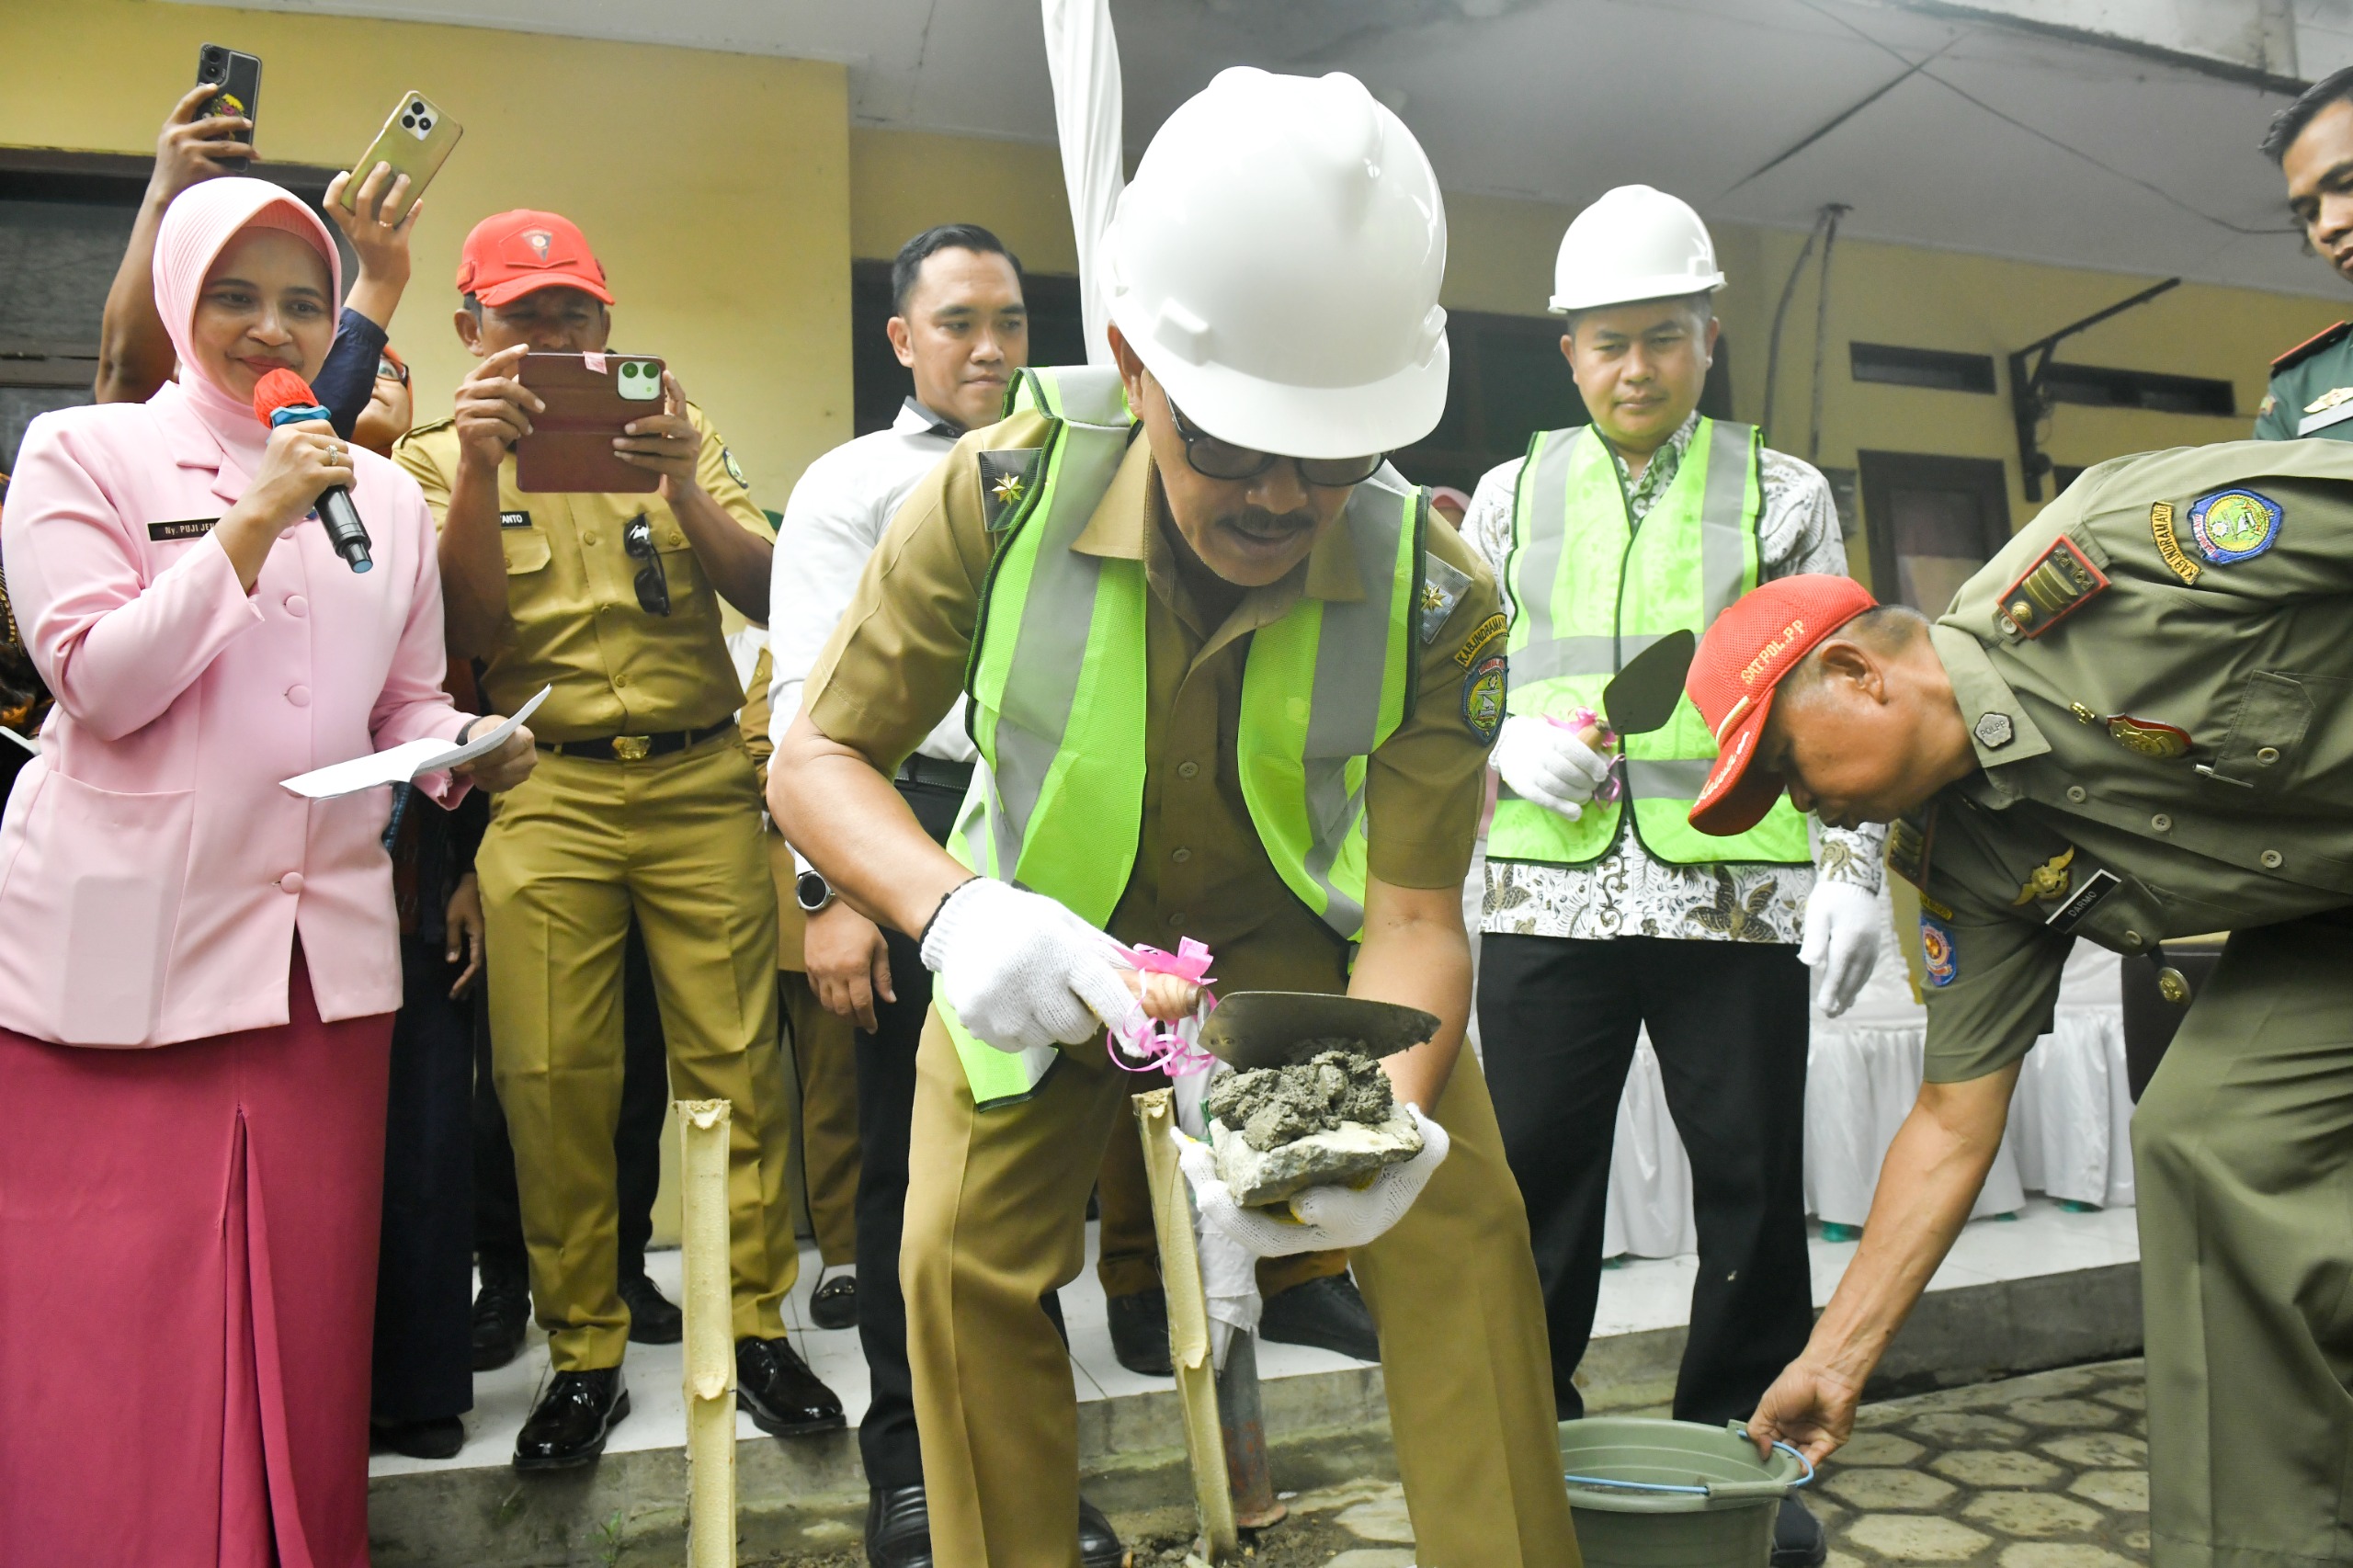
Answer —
1213 458
392 369
652 587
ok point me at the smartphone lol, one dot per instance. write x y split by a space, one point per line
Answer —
415 140
589 398
238 75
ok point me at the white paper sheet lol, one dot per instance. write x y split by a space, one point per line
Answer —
404 762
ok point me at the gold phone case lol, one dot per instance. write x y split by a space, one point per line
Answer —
415 141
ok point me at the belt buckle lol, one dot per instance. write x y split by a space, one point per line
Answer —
632 749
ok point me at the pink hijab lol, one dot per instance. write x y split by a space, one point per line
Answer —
196 228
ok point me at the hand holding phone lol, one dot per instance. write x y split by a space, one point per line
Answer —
586 403
415 141
196 144
233 79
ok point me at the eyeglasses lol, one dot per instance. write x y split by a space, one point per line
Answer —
390 370
652 587
1215 459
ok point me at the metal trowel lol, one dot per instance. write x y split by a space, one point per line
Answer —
1276 1028
1642 697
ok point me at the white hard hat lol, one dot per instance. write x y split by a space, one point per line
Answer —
1633 244
1276 263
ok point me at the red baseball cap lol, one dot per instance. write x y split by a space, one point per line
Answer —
510 253
1737 665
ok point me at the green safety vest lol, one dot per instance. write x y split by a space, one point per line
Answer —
1058 688
1591 596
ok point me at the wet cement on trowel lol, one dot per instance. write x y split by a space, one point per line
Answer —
1331 1119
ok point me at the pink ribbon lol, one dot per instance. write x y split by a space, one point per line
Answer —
1142 1043
1615 784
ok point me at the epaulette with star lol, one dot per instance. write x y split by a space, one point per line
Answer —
1007 477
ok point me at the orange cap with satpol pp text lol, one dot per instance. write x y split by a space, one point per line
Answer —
1733 671
509 254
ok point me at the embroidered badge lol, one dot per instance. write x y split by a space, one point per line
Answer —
1008 479
2169 547
1484 691
2049 881
2267 405
1443 586
2088 893
1481 635
1993 731
735 470
190 527
2062 578
2234 525
2148 737
1937 959
514 519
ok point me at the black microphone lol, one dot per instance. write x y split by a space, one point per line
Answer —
285 398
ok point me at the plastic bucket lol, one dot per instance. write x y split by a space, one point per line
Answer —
1649 1493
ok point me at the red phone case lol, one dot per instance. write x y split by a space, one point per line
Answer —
570 449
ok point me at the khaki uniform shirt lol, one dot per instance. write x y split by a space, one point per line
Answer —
896 664
2165 756
575 622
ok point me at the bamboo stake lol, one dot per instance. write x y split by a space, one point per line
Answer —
708 1301
1188 1325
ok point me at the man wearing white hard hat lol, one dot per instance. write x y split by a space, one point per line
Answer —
1605 912
1229 681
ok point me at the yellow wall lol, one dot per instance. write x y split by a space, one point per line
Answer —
714 188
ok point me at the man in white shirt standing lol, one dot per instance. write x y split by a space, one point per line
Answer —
1605 912
961 325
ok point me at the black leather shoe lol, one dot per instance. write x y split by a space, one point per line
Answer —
1098 1543
437 1438
781 1395
652 1318
1140 1332
573 1419
834 1303
1799 1540
502 1314
898 1527
1327 1314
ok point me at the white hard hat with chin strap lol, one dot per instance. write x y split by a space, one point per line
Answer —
1276 264
1634 244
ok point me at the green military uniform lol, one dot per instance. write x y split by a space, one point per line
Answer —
2155 676
672 837
996 1195
2312 390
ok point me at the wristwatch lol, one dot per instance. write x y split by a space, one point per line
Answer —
812 891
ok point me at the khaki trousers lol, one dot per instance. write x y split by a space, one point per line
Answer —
1127 1247
2244 1153
996 1219
567 859
825 1054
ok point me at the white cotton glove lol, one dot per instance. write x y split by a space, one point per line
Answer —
1547 763
1323 1219
1021 970
1841 942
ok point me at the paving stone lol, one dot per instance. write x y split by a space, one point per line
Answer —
2030 1514
1347 1494
2061 1412
2122 1491
2099 1450
2127 1396
2134 1540
1913 1537
1959 1428
1372 1557
1382 1519
1994 1467
1842 1560
1872 1489
2056 1556
1879 1448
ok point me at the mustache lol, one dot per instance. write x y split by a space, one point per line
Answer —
1259 520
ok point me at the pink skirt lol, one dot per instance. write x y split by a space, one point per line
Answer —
188 1278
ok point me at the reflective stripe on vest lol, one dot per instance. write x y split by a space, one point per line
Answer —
1590 592
1059 686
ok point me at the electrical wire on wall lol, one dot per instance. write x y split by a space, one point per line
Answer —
1830 216
1825 222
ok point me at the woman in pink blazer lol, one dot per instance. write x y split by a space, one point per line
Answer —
188 1219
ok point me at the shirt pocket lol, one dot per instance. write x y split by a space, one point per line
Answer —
526 550
2270 731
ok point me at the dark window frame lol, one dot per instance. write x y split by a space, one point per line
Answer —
2146 391
1883 471
1932 369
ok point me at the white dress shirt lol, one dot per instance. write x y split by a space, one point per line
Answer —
831 524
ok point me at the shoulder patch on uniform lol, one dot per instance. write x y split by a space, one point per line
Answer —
1007 478
2169 545
1909 840
2328 338
1443 586
735 470
2058 581
1487 631
2234 525
1940 963
514 519
1485 688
